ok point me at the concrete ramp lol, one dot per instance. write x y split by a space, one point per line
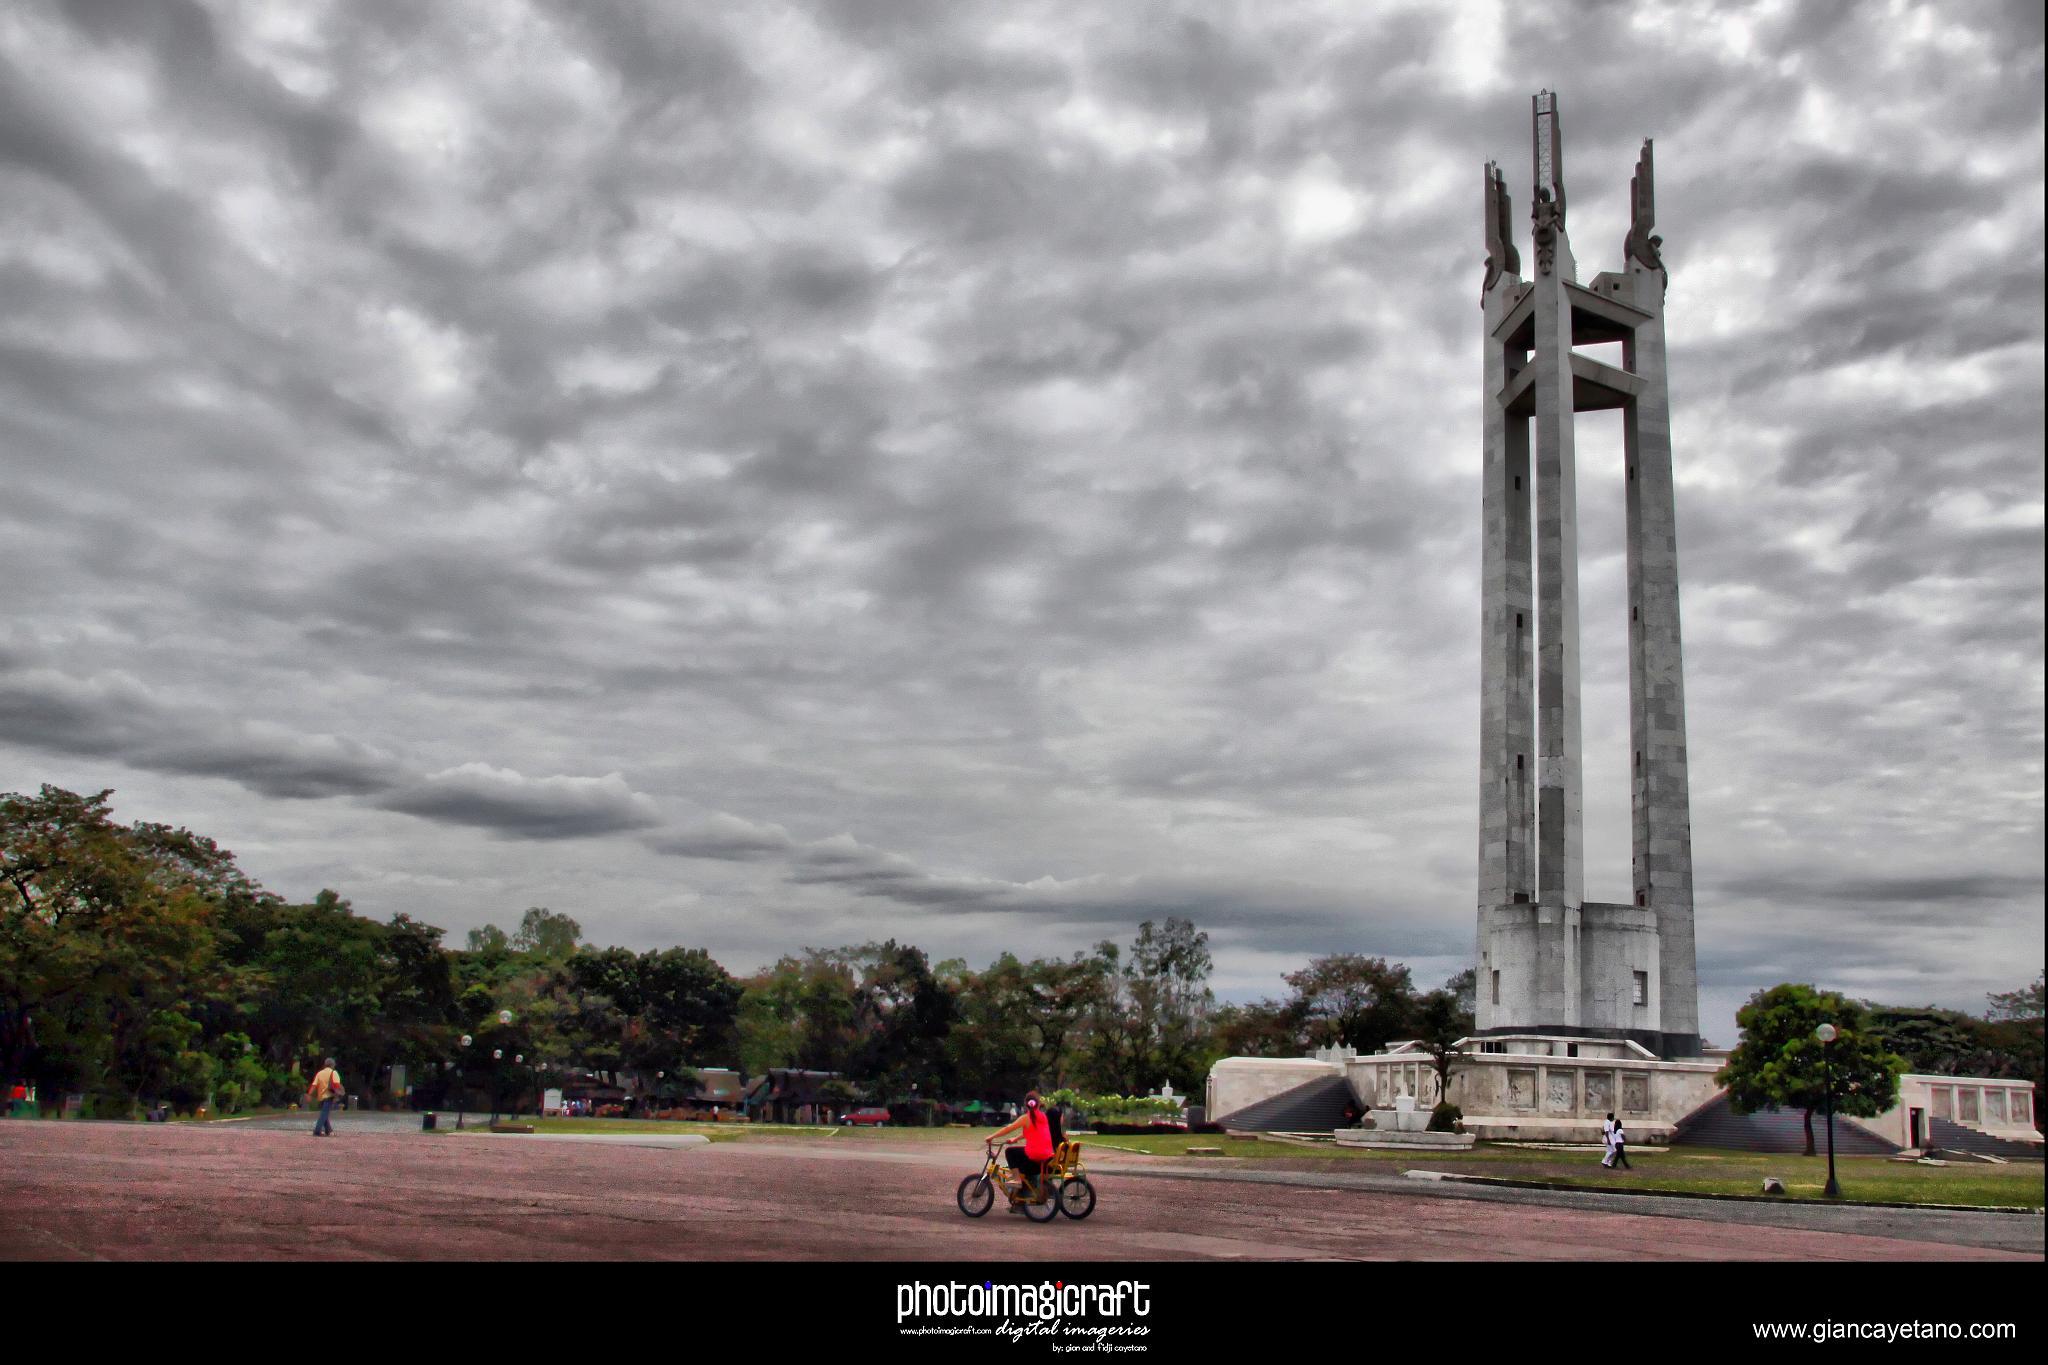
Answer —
1313 1107
1716 1124
1950 1136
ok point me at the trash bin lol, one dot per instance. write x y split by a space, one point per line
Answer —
427 1122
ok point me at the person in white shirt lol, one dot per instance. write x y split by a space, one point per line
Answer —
1607 1140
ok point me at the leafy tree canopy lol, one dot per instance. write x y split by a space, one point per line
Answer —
544 934
1347 998
2024 1003
1781 1064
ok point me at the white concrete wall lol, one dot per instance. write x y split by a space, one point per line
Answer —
1616 942
1544 1096
2001 1108
1236 1082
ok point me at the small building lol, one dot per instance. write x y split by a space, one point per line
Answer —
720 1088
791 1095
595 1092
1937 1111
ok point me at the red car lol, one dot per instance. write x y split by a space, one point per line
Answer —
859 1117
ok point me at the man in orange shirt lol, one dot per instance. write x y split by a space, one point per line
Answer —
326 1088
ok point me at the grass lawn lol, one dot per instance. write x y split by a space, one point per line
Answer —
1686 1169
1876 1179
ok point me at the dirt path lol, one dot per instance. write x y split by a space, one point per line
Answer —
87 1191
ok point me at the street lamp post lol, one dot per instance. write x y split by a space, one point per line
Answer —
1827 1035
461 1074
498 1056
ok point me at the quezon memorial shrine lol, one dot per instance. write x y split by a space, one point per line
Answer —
1582 1008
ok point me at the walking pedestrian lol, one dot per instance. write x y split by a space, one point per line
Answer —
1621 1147
326 1089
1607 1141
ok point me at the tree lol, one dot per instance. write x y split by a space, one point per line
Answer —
769 1021
690 1003
1441 1020
1168 982
1020 1024
993 1047
544 934
1268 1028
2024 1003
1941 1042
1465 986
605 983
489 939
317 971
2015 1030
1779 1062
242 1075
1148 1010
1347 998
107 936
903 1014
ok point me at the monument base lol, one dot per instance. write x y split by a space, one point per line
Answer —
1544 1087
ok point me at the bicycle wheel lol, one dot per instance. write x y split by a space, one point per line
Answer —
1077 1197
977 1195
1045 1210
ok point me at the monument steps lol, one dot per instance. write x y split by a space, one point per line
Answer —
1716 1124
1315 1106
1950 1136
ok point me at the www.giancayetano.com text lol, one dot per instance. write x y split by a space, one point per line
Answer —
1824 1331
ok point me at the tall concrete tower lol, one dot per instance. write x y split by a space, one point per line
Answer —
1549 961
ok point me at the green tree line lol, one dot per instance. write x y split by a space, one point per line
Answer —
139 964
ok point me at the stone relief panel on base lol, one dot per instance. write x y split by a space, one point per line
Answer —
1522 1089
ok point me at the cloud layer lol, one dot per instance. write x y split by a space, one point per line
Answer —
988 474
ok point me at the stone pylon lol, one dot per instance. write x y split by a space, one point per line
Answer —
1549 961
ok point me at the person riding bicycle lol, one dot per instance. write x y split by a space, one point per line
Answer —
1038 1146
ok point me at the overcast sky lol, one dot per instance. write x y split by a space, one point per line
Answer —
766 475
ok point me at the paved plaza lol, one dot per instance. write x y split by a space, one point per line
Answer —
382 1190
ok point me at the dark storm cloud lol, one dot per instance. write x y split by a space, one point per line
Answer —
725 837
845 863
116 716
1097 903
47 710
1009 465
280 764
1879 892
513 806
